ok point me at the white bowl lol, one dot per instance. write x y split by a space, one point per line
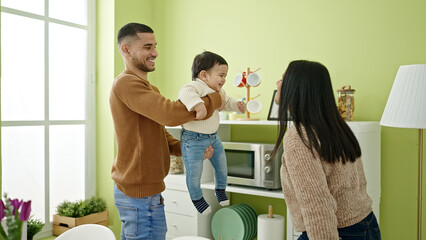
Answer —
254 106
253 79
238 80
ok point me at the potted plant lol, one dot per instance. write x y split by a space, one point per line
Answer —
71 214
33 227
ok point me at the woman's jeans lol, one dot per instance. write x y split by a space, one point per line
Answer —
193 145
141 218
367 229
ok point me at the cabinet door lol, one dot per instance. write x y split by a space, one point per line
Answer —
180 225
181 216
178 202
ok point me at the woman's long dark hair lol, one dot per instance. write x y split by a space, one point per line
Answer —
307 98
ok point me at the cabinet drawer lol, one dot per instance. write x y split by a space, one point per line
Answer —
178 202
180 225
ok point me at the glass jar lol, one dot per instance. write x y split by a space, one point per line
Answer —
176 165
346 102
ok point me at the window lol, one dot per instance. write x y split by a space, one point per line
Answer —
47 102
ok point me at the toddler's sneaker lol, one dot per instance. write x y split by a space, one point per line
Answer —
202 206
221 197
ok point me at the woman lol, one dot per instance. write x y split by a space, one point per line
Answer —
322 174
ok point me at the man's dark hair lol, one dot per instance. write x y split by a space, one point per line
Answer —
205 61
131 30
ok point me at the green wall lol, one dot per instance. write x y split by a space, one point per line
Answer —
362 43
105 32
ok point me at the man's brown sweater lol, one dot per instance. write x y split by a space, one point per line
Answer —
144 146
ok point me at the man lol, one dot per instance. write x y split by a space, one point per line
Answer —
144 146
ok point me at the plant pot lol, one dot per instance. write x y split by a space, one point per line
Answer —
62 224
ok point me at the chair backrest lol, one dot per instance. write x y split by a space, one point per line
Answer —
88 232
190 238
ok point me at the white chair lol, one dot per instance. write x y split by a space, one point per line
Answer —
190 238
88 232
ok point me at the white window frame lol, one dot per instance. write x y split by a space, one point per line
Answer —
90 122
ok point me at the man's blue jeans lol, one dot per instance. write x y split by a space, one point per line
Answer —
193 145
141 218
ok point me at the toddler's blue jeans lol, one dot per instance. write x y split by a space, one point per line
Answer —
193 146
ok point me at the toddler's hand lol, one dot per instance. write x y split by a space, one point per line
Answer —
201 111
241 106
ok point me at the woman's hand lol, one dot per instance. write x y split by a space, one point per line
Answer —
278 94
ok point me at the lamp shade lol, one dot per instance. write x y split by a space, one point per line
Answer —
406 106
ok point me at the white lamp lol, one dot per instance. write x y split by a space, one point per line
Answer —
406 108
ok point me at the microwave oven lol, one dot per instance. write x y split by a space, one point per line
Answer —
251 164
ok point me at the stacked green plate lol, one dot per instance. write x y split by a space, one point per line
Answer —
236 222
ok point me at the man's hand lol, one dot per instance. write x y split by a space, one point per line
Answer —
223 101
201 111
208 153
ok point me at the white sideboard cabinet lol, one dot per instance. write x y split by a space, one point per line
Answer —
184 220
181 216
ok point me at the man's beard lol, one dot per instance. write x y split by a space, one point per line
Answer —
142 66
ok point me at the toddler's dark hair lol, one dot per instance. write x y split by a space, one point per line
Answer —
205 61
